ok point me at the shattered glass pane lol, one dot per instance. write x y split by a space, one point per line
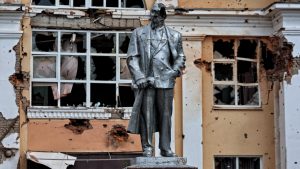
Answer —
112 3
126 96
72 67
105 67
223 49
44 41
223 71
73 42
124 71
73 94
42 94
124 39
103 43
248 95
132 3
224 95
43 2
249 163
247 71
98 3
103 95
247 49
44 67
225 163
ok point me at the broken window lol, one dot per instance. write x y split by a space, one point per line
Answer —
118 3
61 3
237 163
235 72
92 69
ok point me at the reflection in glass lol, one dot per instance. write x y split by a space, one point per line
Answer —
44 67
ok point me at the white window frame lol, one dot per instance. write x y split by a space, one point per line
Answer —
237 159
88 4
87 112
235 82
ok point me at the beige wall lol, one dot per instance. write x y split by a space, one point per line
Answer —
236 132
242 4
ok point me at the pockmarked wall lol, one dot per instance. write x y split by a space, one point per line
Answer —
237 132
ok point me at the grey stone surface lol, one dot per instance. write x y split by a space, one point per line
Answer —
160 161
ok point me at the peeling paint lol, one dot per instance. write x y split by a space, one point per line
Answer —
11 163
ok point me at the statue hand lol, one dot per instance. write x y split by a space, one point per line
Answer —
142 83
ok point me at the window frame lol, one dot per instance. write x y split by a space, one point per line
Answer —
88 4
235 82
237 159
88 111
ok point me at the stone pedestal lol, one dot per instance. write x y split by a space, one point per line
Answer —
160 163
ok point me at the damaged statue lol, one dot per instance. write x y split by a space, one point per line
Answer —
155 60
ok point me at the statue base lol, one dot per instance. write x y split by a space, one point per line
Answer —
160 163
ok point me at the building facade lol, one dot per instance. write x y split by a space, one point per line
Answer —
66 95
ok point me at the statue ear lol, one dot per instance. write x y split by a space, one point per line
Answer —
162 12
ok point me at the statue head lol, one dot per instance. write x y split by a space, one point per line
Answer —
158 15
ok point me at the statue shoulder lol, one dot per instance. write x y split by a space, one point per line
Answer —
173 32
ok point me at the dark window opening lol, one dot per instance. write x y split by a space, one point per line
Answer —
224 95
78 3
103 43
247 49
124 39
248 95
225 163
126 96
77 97
132 3
97 3
223 49
43 2
105 67
103 95
267 57
247 71
249 163
112 3
44 41
64 2
223 71
42 94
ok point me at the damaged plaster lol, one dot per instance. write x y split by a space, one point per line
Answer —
11 141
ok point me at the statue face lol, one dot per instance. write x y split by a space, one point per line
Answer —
157 16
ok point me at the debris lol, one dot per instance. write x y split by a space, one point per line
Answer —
117 135
78 125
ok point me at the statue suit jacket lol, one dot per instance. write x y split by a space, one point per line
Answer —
160 64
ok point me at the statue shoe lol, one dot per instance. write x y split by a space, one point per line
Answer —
167 153
148 152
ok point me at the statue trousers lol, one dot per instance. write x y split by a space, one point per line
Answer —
156 116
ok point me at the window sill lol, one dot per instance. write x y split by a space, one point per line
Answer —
258 108
75 113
